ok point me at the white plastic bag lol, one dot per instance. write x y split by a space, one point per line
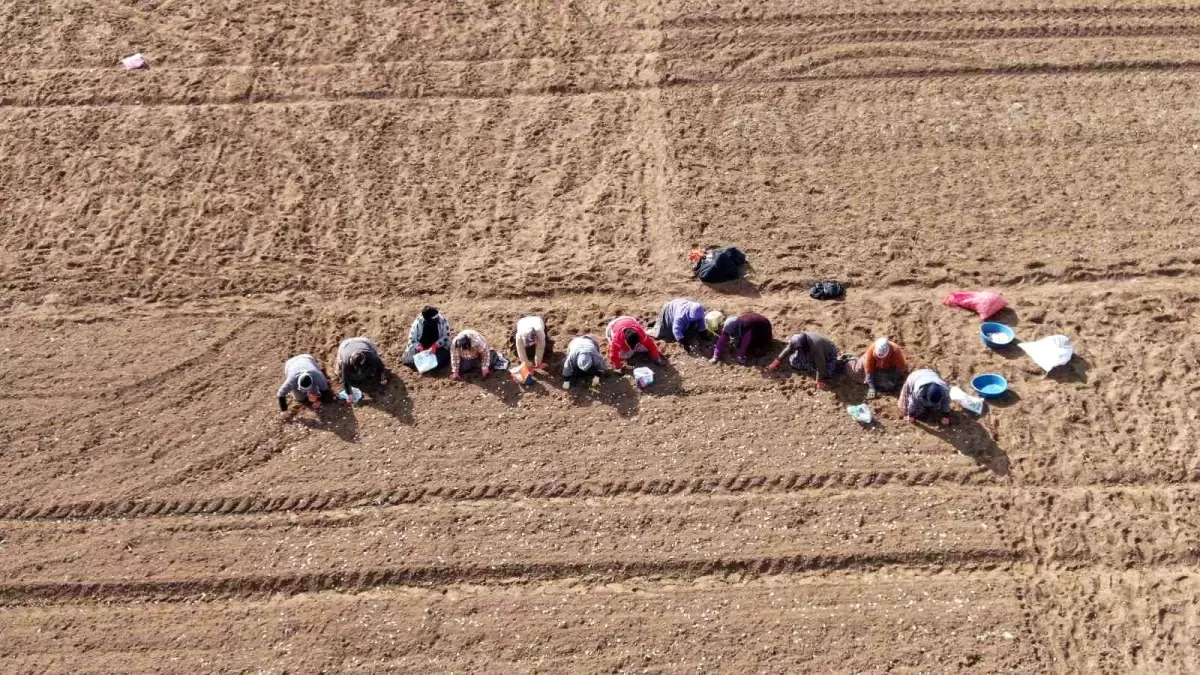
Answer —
425 361
133 62
967 401
1049 352
355 395
861 413
643 376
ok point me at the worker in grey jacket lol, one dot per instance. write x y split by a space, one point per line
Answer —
584 360
305 381
360 365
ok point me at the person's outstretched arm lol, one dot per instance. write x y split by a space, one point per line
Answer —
522 353
283 394
344 367
744 344
652 348
540 352
485 354
679 327
719 349
614 353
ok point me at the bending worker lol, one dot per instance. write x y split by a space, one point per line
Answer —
305 381
680 320
924 392
531 332
810 352
470 351
583 360
883 367
360 365
626 337
750 332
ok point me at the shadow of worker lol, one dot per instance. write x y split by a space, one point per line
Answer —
740 287
393 399
337 418
615 390
967 436
667 381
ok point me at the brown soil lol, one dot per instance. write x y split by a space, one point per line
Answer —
284 176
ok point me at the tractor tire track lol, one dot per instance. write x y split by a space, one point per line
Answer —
654 488
1014 71
889 35
903 17
343 499
261 586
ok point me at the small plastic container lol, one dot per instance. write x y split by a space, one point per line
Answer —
643 376
355 396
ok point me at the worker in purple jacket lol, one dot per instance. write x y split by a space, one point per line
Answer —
749 332
680 320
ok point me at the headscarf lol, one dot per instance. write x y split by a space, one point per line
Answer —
305 382
713 321
430 330
733 327
803 342
586 362
882 347
632 338
529 336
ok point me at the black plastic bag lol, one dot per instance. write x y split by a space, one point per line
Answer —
720 264
827 290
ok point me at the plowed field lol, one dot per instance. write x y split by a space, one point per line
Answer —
284 175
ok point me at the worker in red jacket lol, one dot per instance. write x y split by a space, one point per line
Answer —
627 337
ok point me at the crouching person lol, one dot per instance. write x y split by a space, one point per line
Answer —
470 351
584 361
750 333
627 337
530 334
305 381
882 368
430 332
680 320
923 393
810 352
360 364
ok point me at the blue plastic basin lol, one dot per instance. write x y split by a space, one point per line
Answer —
996 335
990 385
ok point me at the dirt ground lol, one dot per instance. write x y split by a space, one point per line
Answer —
285 175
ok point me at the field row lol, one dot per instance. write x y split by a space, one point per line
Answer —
113 450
